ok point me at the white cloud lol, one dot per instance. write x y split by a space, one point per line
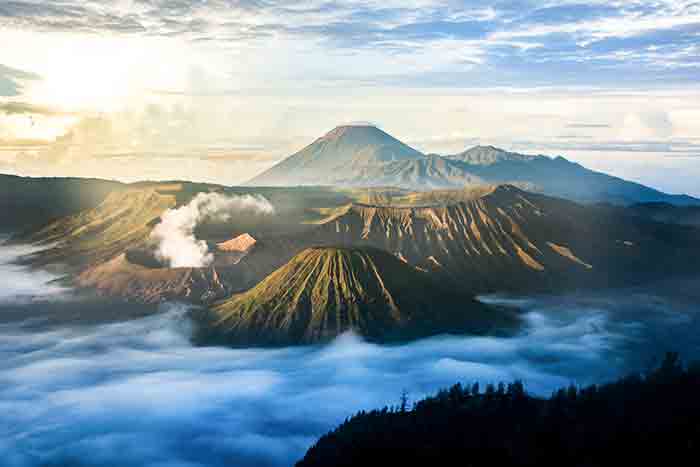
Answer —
72 393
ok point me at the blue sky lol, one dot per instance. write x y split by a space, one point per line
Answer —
248 81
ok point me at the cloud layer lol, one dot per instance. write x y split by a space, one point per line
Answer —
137 393
507 36
11 80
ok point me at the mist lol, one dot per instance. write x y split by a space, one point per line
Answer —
137 393
176 244
18 284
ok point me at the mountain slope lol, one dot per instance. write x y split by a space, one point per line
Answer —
27 203
559 177
489 155
666 212
509 239
121 277
337 155
121 222
426 173
364 156
323 292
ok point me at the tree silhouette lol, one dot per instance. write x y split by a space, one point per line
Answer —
651 419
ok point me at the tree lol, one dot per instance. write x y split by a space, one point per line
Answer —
475 389
404 401
501 391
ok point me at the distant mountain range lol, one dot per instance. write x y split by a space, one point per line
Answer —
365 156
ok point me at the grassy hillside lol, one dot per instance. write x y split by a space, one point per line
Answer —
325 291
121 222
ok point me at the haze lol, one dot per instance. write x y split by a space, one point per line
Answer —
219 91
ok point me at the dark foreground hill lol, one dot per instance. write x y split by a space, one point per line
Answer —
639 420
325 291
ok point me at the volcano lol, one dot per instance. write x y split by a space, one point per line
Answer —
365 156
337 156
325 291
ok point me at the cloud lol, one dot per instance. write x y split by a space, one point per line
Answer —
135 392
670 147
24 108
646 125
22 286
11 80
588 125
587 35
176 245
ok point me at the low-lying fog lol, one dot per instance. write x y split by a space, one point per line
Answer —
137 393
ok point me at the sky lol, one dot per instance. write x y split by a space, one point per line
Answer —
219 90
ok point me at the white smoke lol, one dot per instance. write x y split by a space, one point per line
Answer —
177 245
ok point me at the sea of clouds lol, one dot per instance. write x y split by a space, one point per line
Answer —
137 393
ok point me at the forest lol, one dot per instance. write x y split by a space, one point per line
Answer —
641 419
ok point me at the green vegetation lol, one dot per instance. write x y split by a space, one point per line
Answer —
121 222
651 419
325 291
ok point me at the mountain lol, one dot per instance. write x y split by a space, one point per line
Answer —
122 221
670 213
124 276
27 203
325 291
481 239
559 177
489 155
336 156
365 156
507 239
427 173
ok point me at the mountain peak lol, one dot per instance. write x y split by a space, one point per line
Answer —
337 155
488 155
353 128
325 291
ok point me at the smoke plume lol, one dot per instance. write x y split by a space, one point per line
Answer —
177 245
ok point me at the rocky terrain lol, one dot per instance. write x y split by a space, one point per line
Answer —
509 239
475 238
